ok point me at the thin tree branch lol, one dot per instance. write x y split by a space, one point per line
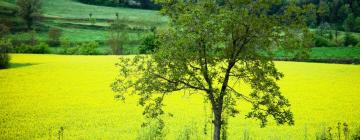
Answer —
241 95
181 82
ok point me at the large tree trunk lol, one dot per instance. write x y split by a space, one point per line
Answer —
217 124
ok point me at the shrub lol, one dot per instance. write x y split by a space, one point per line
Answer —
323 42
118 37
54 37
358 44
24 38
5 47
41 48
350 40
149 44
89 48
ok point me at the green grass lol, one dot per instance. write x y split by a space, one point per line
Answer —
329 53
335 52
73 9
41 93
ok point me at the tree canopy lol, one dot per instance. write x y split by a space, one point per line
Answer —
214 49
30 10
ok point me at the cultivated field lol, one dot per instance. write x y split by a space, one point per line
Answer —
40 94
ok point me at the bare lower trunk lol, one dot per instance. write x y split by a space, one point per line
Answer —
217 125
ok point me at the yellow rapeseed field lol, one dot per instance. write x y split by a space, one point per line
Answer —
42 93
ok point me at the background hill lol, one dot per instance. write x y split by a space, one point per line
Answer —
81 23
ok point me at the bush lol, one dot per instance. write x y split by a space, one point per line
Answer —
323 42
24 38
350 40
88 48
41 48
118 37
5 47
358 45
149 44
54 37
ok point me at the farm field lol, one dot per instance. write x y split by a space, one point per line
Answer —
39 94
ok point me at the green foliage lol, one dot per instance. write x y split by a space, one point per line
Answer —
323 10
356 134
323 42
206 45
89 48
145 4
24 38
86 48
5 46
152 131
335 12
358 44
349 23
118 37
350 40
356 26
91 19
149 44
30 11
41 48
54 36
4 30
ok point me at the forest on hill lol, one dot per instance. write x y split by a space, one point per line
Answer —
336 14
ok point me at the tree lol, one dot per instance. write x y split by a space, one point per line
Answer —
343 12
29 11
54 36
208 49
349 23
118 36
357 24
5 47
323 10
4 30
149 42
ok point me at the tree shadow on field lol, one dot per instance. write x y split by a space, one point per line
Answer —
19 65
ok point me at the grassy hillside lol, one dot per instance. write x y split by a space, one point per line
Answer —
72 18
42 93
73 9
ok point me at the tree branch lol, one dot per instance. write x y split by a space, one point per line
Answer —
179 81
241 95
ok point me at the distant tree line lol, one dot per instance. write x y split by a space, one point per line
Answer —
143 4
338 14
